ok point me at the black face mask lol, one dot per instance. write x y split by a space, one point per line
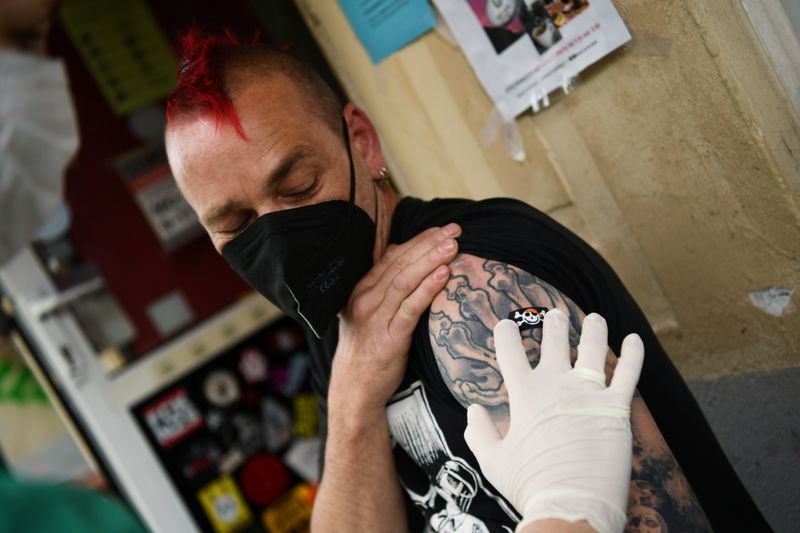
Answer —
307 260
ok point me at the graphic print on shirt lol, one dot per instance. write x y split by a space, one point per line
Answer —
453 485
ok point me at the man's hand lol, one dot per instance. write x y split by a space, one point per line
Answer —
375 327
567 453
359 485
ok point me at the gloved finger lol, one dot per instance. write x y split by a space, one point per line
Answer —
481 434
626 375
555 342
593 346
511 356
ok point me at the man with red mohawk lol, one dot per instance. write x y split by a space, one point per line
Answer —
402 296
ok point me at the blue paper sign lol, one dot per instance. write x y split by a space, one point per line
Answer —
385 26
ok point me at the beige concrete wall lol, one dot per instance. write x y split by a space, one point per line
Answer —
678 157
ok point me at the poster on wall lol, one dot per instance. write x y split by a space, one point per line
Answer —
521 50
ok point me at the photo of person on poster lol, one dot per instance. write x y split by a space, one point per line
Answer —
506 21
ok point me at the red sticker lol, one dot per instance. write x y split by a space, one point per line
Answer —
172 417
264 479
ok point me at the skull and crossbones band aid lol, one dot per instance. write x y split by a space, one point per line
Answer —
528 317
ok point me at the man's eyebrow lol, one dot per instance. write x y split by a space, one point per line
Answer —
285 167
276 177
219 213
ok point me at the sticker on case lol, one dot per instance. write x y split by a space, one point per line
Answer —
276 422
214 419
286 340
201 456
248 433
231 461
302 457
224 505
264 479
221 388
293 377
253 365
291 513
172 417
297 373
306 418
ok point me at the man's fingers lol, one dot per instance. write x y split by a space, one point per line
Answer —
397 285
401 256
395 251
555 342
481 434
593 346
410 310
626 374
511 356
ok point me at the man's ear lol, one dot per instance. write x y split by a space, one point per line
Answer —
364 139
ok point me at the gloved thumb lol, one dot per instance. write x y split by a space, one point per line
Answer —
481 434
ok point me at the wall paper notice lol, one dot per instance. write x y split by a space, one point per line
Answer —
385 26
521 50
147 174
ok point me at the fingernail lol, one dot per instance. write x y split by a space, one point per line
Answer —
452 229
447 246
440 273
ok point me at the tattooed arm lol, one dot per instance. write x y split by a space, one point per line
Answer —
482 292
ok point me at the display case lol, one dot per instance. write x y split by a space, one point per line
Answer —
213 431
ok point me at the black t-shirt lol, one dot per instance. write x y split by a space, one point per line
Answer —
439 473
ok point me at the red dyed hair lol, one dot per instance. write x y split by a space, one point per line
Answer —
205 78
201 87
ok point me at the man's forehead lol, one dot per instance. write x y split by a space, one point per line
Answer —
268 112
200 142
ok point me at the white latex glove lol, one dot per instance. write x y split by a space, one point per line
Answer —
567 453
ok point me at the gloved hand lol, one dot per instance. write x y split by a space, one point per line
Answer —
567 453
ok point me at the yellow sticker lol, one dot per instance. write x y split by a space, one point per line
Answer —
224 505
306 417
124 49
291 513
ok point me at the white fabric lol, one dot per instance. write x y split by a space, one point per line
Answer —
38 138
567 453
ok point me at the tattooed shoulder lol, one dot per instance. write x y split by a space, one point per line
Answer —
479 294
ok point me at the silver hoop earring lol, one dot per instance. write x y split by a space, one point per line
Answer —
384 174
